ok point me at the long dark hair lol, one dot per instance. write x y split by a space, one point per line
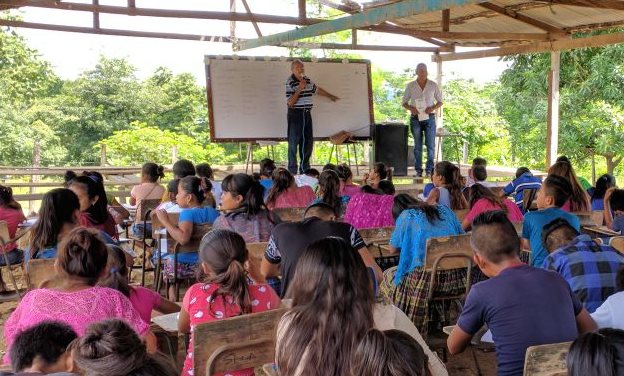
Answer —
603 183
344 172
226 253
193 186
93 185
153 172
404 201
251 190
383 171
331 311
329 189
83 254
58 207
282 180
478 191
117 276
112 347
578 197
6 198
452 177
597 353
389 353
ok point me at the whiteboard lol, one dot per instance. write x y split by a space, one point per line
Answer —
247 99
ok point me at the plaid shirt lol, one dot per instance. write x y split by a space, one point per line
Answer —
588 268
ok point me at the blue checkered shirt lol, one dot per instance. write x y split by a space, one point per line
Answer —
588 268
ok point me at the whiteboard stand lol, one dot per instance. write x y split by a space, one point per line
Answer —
270 145
335 146
270 148
249 160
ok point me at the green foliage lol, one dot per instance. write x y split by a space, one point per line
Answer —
142 143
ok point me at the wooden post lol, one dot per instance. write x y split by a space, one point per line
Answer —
552 127
103 155
439 113
174 154
96 15
302 9
36 162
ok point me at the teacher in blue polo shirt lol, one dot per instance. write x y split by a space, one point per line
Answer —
299 92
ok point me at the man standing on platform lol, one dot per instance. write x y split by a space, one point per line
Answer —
299 92
422 97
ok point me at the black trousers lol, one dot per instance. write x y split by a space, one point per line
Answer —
300 140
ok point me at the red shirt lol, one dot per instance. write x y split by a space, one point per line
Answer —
12 217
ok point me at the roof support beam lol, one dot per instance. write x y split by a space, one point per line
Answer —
480 36
522 18
446 20
368 17
251 18
359 47
557 45
302 10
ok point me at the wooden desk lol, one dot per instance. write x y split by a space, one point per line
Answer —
599 232
546 360
165 327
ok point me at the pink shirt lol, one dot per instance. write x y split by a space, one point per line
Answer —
295 197
77 309
484 205
367 210
144 301
146 191
13 217
349 189
201 310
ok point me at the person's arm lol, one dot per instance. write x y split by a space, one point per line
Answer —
393 250
467 223
269 270
295 96
151 342
525 243
180 233
269 267
184 322
133 195
324 93
369 261
608 216
458 341
166 306
433 197
584 322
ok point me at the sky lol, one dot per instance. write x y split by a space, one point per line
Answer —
72 53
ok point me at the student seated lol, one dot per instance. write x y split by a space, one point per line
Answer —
378 173
290 239
267 166
329 192
75 299
205 171
597 353
614 210
389 353
42 349
190 197
111 347
579 199
89 188
226 291
554 192
417 221
482 200
448 189
524 180
149 189
181 169
371 208
170 206
470 179
479 174
609 314
522 306
12 214
244 208
585 184
143 300
333 308
57 217
603 183
347 188
285 194
588 268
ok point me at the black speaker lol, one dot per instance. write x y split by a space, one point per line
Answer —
391 146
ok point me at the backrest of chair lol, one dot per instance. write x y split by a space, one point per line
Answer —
378 234
617 242
528 198
146 205
4 233
546 360
174 218
290 214
586 219
256 251
199 230
598 217
39 271
461 214
448 252
239 342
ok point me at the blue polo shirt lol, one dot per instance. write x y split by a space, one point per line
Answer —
533 226
517 187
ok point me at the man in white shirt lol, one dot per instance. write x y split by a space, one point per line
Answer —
422 97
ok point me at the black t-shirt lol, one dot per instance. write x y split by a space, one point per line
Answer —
289 240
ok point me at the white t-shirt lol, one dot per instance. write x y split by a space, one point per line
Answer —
609 314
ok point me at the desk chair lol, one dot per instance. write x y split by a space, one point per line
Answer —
159 237
239 342
199 231
547 360
145 240
375 238
39 271
528 200
5 240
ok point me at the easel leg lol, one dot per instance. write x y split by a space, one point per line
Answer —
249 159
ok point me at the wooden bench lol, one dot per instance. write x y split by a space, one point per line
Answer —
239 342
290 214
376 235
546 360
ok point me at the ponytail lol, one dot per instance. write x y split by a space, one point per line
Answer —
251 190
192 185
329 184
206 186
117 276
282 180
452 176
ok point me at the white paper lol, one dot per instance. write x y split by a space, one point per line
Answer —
421 105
